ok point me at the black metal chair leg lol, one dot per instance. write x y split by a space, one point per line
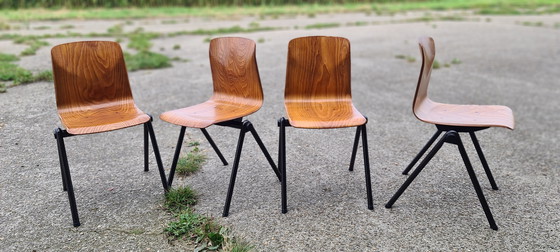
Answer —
263 149
158 156
417 170
366 165
146 150
176 156
424 149
214 146
475 183
234 169
60 160
282 162
66 178
483 161
354 149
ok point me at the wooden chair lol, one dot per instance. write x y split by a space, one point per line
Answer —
237 93
318 96
452 119
93 95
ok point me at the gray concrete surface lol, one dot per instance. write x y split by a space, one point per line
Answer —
503 62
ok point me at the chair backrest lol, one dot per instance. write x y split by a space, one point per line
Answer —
318 69
89 75
428 51
235 73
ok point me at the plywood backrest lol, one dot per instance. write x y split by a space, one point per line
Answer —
235 73
90 74
318 69
428 51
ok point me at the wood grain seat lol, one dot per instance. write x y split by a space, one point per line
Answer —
465 115
237 93
318 95
210 112
93 95
323 114
452 119
84 120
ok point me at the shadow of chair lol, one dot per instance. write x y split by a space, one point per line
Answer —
237 93
452 119
318 96
93 95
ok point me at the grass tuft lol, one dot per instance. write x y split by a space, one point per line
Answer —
146 60
191 163
322 25
180 199
436 65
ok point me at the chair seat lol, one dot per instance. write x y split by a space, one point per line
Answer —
323 115
465 115
210 112
95 120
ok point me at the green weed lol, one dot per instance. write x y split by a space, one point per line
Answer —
8 57
116 30
193 144
180 199
3 89
406 57
33 42
146 60
322 25
191 163
436 65
65 27
5 26
141 40
43 76
14 73
253 27
43 27
357 23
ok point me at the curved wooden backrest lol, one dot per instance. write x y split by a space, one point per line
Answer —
318 69
428 50
89 75
235 72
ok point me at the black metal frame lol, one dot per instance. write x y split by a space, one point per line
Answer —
244 127
60 134
452 136
360 130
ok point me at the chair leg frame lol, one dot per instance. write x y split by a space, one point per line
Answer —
244 127
67 186
360 131
451 136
